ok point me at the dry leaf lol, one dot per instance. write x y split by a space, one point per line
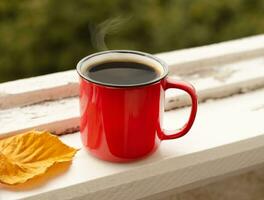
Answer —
27 155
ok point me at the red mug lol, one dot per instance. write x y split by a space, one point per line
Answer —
123 122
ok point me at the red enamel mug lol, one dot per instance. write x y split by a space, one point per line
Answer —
123 122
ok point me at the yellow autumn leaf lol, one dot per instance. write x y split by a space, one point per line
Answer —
27 155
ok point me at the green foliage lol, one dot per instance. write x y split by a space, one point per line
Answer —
39 37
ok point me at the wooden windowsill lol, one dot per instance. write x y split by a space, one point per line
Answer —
227 137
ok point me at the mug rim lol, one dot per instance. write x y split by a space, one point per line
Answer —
143 54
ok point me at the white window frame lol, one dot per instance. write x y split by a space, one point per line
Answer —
218 71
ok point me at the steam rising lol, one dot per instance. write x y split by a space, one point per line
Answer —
100 31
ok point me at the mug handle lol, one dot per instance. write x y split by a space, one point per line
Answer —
170 83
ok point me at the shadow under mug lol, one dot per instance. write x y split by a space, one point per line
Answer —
123 123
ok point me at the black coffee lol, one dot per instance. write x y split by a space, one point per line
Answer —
122 73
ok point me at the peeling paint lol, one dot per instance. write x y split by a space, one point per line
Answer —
223 74
257 108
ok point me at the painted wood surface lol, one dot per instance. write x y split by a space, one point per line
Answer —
62 116
228 136
181 63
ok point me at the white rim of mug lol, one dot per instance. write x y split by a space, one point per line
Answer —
159 61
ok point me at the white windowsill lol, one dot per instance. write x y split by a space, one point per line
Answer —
227 137
212 148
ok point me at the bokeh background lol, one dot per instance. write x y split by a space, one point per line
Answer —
43 36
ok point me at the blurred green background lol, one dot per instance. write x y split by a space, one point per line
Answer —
44 36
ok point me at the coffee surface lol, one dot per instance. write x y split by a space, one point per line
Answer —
122 73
